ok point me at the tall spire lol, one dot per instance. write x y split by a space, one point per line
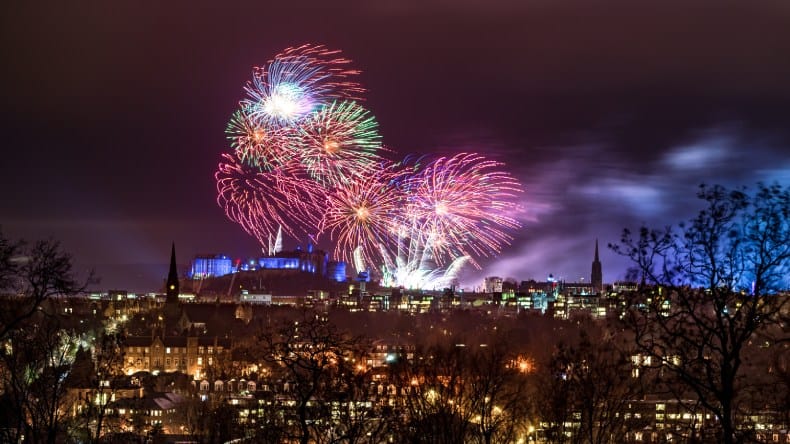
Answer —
596 250
597 275
172 278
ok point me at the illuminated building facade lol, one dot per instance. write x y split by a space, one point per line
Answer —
192 355
336 270
308 260
211 266
493 284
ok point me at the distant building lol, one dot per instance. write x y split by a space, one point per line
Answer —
336 270
493 284
624 286
172 288
309 260
596 277
211 266
192 355
255 298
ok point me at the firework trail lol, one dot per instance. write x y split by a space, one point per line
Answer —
306 156
296 82
412 265
339 142
265 182
462 206
363 214
255 144
263 202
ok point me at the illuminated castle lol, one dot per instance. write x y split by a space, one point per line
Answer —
308 260
211 266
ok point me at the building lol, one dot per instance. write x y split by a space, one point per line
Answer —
192 355
596 277
492 284
206 266
172 285
309 260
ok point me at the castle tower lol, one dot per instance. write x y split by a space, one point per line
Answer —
172 279
597 276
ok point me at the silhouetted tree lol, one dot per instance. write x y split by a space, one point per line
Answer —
314 360
431 387
452 393
36 358
584 388
29 274
101 377
712 290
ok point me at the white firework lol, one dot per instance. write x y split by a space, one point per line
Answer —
413 265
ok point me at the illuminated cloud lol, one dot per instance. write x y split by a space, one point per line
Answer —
645 195
707 153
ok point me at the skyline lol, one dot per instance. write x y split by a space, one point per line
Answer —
608 119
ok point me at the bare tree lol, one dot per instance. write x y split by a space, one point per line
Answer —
552 392
28 276
431 387
453 393
36 359
710 289
313 359
100 378
586 387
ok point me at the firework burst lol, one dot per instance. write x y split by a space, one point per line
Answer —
462 206
339 142
255 144
305 156
362 215
297 81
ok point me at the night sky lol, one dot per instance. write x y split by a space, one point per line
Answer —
611 114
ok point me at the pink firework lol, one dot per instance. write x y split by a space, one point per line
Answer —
462 206
362 215
297 81
262 202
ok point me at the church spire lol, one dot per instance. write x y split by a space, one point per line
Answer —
597 275
596 250
172 278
